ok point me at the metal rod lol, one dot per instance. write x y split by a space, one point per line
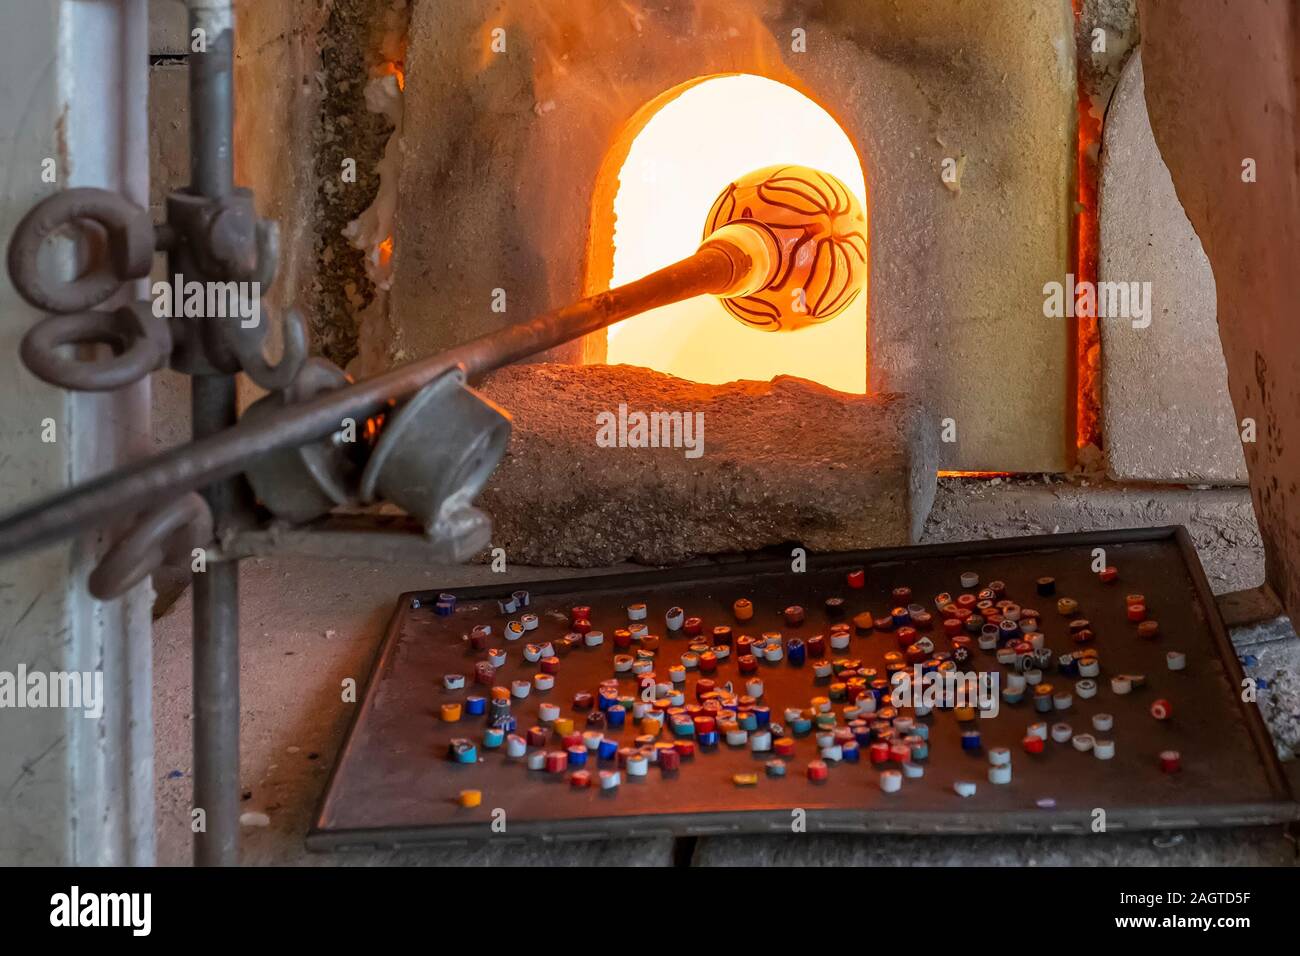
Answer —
127 490
212 99
213 409
216 653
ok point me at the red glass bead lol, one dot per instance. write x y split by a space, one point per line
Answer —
693 626
557 761
1108 574
550 665
879 751
1137 612
581 625
817 770
857 579
1171 761
1033 744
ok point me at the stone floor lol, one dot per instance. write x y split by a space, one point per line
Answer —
308 625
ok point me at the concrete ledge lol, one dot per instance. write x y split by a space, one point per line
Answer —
781 461
1220 520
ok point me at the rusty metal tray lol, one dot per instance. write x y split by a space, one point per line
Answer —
393 784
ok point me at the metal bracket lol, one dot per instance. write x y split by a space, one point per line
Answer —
221 239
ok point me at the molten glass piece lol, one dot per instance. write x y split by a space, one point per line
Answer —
818 235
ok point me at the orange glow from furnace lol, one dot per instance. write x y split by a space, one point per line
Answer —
392 68
1086 242
684 157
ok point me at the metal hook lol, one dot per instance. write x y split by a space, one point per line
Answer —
248 349
130 248
174 529
141 342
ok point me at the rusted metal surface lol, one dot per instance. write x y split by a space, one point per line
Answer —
393 783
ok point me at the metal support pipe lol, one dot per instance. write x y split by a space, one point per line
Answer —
213 409
216 653
212 99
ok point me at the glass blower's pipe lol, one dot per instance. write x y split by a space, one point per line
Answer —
785 247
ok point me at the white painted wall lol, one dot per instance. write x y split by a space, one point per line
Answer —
73 790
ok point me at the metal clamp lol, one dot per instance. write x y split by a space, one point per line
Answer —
167 532
224 237
130 246
139 340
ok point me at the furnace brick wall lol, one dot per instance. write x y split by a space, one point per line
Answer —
504 155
